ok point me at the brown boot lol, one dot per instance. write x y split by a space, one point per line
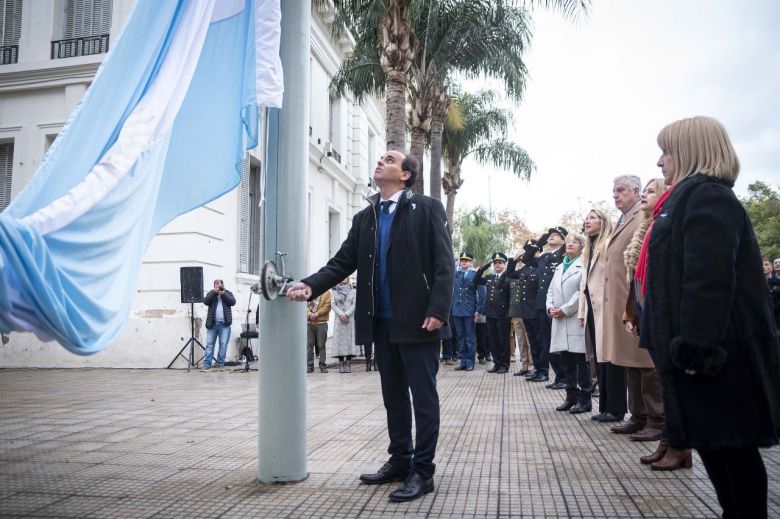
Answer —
663 446
674 459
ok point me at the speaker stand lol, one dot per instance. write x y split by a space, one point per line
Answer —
191 362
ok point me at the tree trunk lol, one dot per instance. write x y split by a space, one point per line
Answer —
417 150
397 47
441 105
451 182
437 127
451 207
395 103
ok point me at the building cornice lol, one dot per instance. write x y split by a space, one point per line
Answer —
31 76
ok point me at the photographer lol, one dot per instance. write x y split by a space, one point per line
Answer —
218 321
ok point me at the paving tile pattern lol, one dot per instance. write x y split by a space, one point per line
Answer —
159 443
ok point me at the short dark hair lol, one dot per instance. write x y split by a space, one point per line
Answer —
411 165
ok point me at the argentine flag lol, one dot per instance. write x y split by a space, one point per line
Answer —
162 130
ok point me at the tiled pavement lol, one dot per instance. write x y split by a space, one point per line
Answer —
139 443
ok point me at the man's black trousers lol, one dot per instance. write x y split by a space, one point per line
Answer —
405 367
498 341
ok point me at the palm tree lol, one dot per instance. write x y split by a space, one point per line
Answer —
475 127
470 37
384 49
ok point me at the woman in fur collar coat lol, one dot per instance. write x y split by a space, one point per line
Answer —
707 317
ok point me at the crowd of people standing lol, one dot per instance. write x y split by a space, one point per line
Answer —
663 314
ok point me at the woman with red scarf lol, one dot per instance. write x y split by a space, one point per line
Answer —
663 458
707 319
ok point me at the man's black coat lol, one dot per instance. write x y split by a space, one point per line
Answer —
545 268
420 264
706 310
523 287
228 300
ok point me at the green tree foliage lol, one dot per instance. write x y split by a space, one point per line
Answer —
478 233
763 206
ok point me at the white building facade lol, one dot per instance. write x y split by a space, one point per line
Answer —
50 52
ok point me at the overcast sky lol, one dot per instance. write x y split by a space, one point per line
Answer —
601 89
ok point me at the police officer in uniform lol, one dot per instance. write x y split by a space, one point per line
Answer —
523 286
495 310
465 308
545 265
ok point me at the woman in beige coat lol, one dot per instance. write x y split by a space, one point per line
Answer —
598 227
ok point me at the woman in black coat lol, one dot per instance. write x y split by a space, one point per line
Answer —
708 319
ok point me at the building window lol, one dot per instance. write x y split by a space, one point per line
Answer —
334 136
334 232
87 28
6 169
10 30
250 259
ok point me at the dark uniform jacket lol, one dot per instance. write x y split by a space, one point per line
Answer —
545 269
497 293
523 286
211 299
465 302
706 309
420 268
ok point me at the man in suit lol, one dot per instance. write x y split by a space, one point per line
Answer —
465 309
400 245
497 303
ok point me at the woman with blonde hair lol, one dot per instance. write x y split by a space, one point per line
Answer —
707 318
611 379
650 389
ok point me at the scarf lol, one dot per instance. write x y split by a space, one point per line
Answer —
341 291
641 266
567 262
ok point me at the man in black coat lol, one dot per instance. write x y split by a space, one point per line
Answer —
545 267
401 248
218 320
497 303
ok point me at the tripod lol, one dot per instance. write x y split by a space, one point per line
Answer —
191 343
247 336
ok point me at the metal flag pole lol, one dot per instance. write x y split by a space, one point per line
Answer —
282 366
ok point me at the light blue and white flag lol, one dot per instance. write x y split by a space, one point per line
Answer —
162 130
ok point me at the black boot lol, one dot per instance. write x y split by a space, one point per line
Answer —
584 404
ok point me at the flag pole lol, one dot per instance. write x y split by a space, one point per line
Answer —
282 366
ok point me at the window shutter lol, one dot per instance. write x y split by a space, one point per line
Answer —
6 167
85 18
10 21
255 260
246 215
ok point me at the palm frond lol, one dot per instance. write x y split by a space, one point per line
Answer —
505 155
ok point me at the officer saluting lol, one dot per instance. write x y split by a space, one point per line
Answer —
546 264
495 310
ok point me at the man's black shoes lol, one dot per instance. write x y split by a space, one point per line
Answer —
415 486
386 474
501 370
